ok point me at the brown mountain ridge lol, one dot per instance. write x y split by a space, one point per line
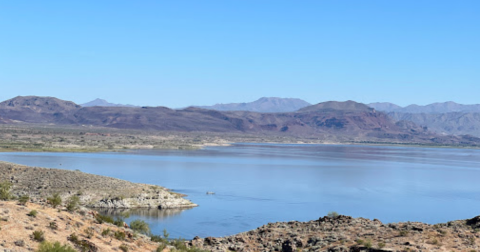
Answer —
329 121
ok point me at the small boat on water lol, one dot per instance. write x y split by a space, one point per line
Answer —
210 193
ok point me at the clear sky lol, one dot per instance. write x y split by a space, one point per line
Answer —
180 53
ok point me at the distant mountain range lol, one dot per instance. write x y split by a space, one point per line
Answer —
447 118
434 108
264 104
328 121
103 103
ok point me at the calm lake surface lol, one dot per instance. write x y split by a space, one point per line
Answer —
259 183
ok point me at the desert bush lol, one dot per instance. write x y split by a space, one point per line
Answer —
22 200
72 203
55 200
140 226
73 238
106 232
33 213
381 245
403 233
53 225
161 247
38 236
118 222
333 214
119 235
55 247
5 190
88 233
123 247
103 218
368 243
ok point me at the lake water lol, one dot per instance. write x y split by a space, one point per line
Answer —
259 183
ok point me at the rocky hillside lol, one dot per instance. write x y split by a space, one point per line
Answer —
93 190
37 109
263 105
344 233
78 230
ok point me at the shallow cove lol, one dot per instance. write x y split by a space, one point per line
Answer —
259 183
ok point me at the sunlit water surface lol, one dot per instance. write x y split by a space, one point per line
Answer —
259 183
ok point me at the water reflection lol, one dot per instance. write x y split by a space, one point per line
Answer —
144 213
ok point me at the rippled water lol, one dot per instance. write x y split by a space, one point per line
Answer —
259 183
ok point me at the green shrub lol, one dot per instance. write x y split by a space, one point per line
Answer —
403 233
103 218
106 232
381 245
333 214
118 222
55 200
123 247
55 247
140 226
33 213
5 188
23 200
161 247
38 236
368 243
88 233
360 241
119 235
53 225
73 238
72 203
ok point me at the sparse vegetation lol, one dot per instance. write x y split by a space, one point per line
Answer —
53 225
22 200
33 213
38 235
88 233
106 232
5 190
381 245
104 218
368 243
72 203
140 226
73 238
333 214
55 200
54 247
123 247
119 235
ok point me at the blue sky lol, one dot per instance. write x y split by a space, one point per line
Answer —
180 53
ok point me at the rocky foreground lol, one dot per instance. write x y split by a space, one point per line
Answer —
20 230
344 233
93 190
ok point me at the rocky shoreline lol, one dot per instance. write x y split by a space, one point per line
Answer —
93 190
344 233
